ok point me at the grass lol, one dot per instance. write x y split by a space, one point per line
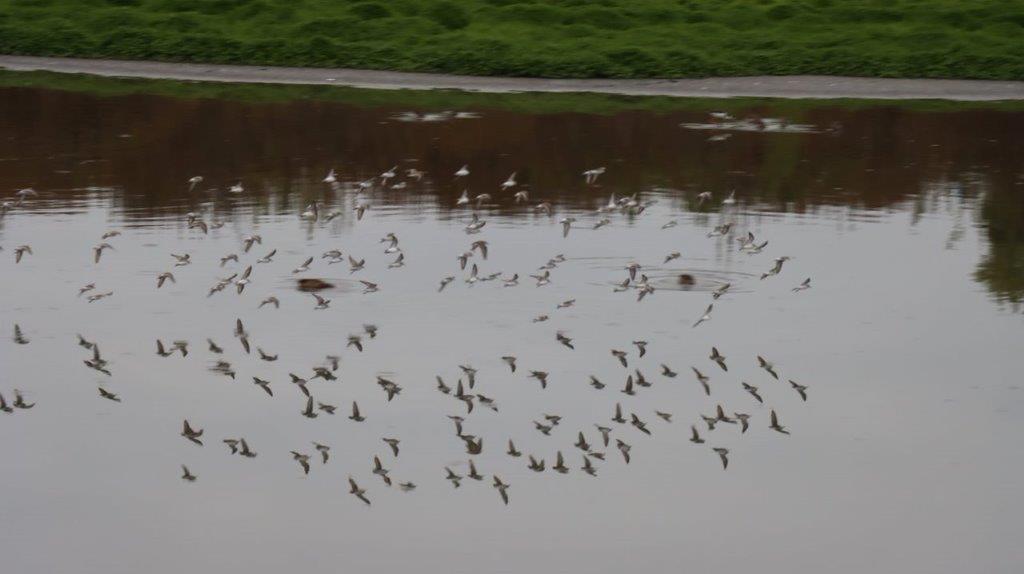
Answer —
546 38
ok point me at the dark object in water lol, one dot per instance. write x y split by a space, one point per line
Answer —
313 285
687 279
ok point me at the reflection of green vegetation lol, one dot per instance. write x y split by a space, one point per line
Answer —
553 38
447 99
780 170
1002 270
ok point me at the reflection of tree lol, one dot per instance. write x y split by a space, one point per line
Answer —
870 157
1002 268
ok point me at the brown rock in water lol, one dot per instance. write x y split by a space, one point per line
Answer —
687 279
314 285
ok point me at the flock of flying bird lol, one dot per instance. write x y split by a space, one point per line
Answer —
615 430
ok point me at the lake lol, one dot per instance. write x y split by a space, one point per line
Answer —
907 218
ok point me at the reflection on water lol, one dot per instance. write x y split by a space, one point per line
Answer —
756 124
866 158
913 402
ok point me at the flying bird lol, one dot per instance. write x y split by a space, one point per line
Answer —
191 434
767 366
723 453
801 389
706 316
502 489
718 358
753 391
775 426
357 492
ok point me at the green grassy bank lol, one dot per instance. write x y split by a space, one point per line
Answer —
550 38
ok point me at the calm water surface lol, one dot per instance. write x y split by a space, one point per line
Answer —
906 457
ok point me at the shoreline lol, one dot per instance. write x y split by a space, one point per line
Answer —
788 87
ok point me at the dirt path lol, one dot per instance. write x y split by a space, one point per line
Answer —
755 86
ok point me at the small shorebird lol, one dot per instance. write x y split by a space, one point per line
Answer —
263 384
775 426
718 358
380 471
509 183
706 316
566 225
304 267
744 421
109 395
777 268
324 450
268 258
502 489
455 478
624 449
767 366
720 290
355 413
590 176
723 453
164 277
511 362
302 459
191 434
512 450
695 436
357 492
703 380
801 389
97 251
753 391
20 252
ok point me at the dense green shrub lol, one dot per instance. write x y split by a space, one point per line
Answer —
448 14
370 11
560 38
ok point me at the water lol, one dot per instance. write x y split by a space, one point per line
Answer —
905 456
